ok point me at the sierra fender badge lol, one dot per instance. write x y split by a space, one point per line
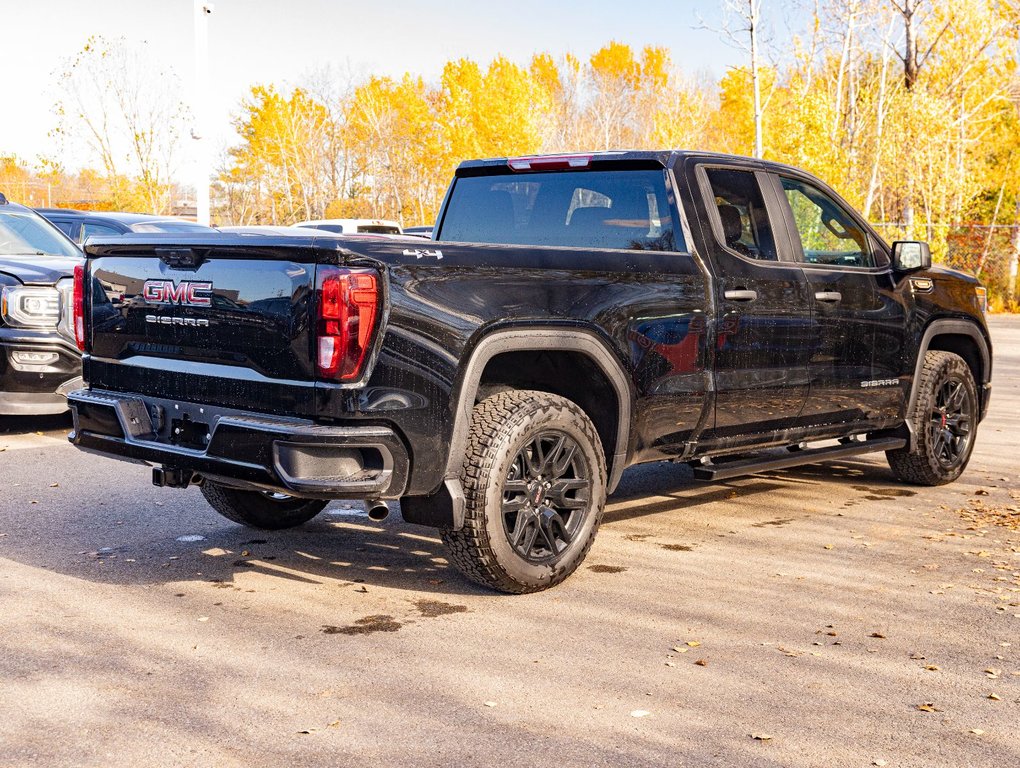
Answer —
422 253
880 383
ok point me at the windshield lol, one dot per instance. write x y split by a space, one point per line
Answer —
23 233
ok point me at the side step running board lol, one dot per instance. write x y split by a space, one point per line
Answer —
770 462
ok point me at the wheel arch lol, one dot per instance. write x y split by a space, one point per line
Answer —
961 337
502 344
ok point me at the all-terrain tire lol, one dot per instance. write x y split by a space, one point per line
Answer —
512 435
944 432
260 510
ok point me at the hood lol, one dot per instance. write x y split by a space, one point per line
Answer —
939 272
37 270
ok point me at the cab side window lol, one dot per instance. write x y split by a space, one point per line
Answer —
91 228
828 235
742 216
70 228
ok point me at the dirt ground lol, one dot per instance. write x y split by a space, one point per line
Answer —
820 616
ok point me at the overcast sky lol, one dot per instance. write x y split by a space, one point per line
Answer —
279 41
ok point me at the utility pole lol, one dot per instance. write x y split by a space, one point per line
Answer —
199 131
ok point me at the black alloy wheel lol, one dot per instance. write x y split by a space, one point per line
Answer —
534 482
951 422
546 497
943 421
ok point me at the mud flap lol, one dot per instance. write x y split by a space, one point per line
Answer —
442 509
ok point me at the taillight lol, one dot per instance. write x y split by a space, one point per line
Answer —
78 306
348 302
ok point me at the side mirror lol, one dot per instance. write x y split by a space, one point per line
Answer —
910 255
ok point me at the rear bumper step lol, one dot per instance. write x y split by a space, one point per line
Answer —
242 449
771 462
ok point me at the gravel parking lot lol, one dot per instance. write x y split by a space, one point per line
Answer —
821 616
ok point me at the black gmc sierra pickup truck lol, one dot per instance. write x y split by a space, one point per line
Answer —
573 315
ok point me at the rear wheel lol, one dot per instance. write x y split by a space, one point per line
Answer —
535 487
944 419
260 509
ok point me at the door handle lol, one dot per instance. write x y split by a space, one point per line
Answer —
828 296
741 295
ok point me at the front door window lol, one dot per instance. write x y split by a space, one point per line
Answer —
828 235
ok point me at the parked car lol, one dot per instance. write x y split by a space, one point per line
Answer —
265 229
39 360
574 316
354 226
79 225
422 231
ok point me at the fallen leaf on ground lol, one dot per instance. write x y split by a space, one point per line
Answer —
976 731
994 697
640 713
761 736
702 662
928 707
879 635
932 667
490 703
693 643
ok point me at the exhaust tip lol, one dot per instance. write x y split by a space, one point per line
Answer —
377 510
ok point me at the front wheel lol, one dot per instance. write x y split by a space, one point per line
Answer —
944 420
535 486
260 509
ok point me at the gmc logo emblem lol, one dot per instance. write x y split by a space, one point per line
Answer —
186 293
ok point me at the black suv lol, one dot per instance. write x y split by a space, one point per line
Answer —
39 360
78 225
573 316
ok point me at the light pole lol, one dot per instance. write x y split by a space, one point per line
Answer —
203 11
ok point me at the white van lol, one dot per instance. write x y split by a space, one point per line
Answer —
353 226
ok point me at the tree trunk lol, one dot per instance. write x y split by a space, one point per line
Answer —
879 126
909 10
754 9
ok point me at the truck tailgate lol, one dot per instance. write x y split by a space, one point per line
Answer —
206 320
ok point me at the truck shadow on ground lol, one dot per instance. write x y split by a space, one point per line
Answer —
27 425
343 548
669 487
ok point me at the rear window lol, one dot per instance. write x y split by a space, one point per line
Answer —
582 209
379 229
168 226
335 228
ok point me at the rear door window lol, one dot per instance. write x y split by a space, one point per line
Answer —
743 221
625 210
